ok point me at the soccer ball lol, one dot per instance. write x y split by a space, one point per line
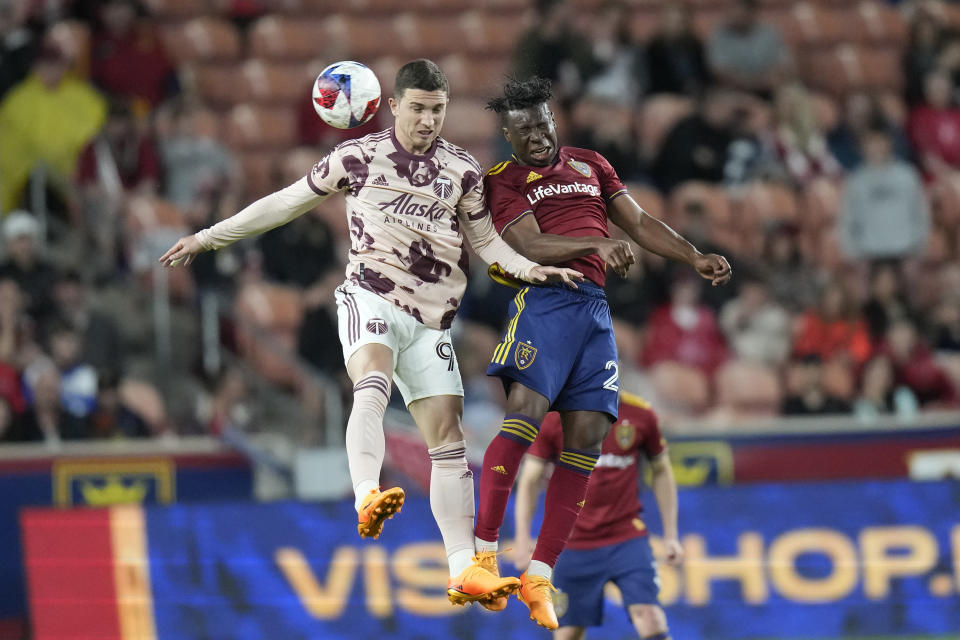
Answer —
346 94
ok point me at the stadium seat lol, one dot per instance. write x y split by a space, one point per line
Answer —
846 67
681 388
825 111
472 76
656 117
491 32
203 38
709 198
276 82
427 35
178 9
808 24
944 195
252 126
360 37
260 173
145 213
761 202
267 335
877 23
278 37
748 389
468 123
219 85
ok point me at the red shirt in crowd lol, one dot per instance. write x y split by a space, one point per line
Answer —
133 65
568 198
700 344
828 338
141 163
936 132
612 508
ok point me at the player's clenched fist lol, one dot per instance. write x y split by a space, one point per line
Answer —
673 550
182 253
617 254
713 267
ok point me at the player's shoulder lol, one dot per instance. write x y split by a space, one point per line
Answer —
584 155
368 143
507 171
635 406
456 153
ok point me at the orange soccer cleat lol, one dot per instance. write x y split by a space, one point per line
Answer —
535 593
376 509
488 560
478 584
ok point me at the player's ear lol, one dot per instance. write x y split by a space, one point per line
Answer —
506 134
394 105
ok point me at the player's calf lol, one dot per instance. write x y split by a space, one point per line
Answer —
650 621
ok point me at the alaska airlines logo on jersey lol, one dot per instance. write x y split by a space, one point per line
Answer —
625 434
443 187
405 205
580 167
524 355
547 191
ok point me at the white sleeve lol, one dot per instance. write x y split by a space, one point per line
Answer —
492 249
266 213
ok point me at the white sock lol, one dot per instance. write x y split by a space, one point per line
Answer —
451 500
485 545
538 568
364 439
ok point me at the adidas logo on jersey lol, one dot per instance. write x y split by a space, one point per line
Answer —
380 180
533 175
550 190
581 503
502 470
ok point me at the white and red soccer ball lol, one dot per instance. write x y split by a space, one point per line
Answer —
346 94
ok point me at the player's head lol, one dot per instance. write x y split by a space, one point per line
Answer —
419 103
527 120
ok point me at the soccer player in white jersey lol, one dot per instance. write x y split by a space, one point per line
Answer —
411 197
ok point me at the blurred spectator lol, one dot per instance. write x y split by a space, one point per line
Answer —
879 395
807 393
685 330
747 54
674 55
756 327
552 48
101 343
46 419
197 168
862 110
886 303
228 407
915 368
833 328
633 299
78 379
617 70
793 283
11 312
697 146
934 126
925 42
120 159
946 324
112 418
604 125
17 44
127 59
798 144
7 429
885 212
24 264
46 119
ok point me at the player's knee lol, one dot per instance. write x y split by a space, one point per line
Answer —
587 436
526 401
649 620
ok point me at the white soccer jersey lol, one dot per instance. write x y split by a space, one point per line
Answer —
406 216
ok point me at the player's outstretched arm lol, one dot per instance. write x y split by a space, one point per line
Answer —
268 212
526 495
665 490
525 236
493 250
653 235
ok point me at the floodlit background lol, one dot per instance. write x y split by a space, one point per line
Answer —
812 405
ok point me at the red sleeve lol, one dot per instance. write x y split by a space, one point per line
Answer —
610 185
653 441
505 201
549 442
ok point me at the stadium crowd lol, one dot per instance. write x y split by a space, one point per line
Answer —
748 126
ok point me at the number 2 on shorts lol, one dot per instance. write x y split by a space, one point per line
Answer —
611 382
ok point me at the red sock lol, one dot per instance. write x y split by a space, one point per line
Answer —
565 493
500 465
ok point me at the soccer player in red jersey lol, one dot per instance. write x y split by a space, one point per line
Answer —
609 541
552 204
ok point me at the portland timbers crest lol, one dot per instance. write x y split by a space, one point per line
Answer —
580 167
524 355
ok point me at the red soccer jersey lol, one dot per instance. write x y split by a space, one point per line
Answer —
611 511
568 198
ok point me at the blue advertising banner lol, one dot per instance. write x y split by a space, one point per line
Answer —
829 560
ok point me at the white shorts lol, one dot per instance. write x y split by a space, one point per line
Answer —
424 363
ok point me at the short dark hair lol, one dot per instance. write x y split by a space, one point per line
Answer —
422 74
521 94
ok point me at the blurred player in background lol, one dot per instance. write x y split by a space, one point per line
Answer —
552 203
609 541
411 198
